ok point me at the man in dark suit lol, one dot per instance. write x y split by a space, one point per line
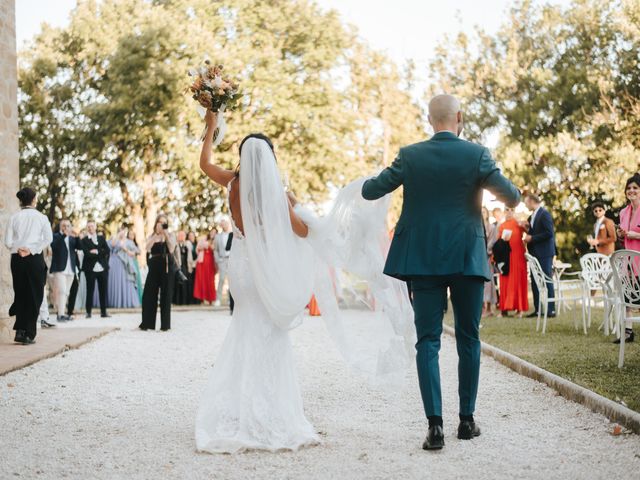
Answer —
64 266
95 267
541 244
439 244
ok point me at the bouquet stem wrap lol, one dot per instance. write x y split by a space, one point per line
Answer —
218 135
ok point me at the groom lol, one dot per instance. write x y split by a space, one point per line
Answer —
439 244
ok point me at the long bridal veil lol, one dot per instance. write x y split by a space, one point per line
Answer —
351 243
280 261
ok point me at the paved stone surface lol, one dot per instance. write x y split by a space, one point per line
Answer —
124 407
49 342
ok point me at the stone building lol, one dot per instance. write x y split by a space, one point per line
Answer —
9 173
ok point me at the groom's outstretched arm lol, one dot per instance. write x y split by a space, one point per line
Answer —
388 180
492 179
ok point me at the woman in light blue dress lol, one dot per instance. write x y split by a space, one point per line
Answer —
122 289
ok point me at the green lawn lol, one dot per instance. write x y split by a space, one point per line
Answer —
588 360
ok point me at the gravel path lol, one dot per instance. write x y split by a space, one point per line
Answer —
124 407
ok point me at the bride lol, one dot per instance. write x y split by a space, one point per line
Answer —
252 400
281 255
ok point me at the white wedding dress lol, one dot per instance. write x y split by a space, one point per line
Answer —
252 400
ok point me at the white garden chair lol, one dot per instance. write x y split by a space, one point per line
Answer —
596 267
611 306
626 269
565 290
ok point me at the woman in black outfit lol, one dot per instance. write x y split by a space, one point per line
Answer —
28 234
162 265
191 238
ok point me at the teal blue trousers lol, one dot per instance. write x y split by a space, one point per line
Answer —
429 303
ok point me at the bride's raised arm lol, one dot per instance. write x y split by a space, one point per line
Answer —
216 173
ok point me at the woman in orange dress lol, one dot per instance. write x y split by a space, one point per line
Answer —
204 285
513 287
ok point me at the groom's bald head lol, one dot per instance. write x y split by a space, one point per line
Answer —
445 113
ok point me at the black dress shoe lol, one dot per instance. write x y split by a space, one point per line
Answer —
27 340
45 324
532 315
629 337
467 430
144 329
105 315
165 329
551 315
19 336
88 315
435 439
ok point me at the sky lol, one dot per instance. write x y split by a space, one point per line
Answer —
402 28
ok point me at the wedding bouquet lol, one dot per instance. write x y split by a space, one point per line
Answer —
216 92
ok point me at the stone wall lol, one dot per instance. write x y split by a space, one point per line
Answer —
9 173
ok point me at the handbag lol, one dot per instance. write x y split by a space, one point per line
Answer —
181 278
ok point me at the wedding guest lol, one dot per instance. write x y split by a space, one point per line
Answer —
64 266
81 294
162 264
498 216
541 244
122 285
513 285
131 235
490 296
221 256
205 288
604 231
629 231
95 266
49 291
27 233
184 292
192 276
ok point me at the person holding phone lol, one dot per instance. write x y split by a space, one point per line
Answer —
160 279
629 231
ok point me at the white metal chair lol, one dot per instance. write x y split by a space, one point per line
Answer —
565 290
596 267
626 270
611 306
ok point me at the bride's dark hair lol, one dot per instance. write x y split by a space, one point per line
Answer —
259 136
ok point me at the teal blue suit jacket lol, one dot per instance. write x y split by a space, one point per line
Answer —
440 230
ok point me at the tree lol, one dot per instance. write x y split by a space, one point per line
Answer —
49 125
560 85
305 78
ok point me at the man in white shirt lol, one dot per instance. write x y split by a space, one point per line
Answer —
64 264
28 233
221 256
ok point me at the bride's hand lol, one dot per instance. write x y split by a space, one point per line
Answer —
292 199
211 119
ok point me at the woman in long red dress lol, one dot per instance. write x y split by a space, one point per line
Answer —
513 287
204 285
